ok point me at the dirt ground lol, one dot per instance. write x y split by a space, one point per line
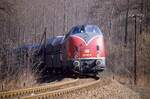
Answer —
110 90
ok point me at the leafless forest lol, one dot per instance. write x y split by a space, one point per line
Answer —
125 24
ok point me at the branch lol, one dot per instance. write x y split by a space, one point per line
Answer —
2 8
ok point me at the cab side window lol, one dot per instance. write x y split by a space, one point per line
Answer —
76 30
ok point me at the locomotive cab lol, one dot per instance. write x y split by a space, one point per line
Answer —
85 51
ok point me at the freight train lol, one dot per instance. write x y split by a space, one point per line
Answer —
81 50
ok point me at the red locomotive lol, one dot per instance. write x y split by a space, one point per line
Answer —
80 50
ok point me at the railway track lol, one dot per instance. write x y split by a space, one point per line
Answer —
34 90
80 87
53 90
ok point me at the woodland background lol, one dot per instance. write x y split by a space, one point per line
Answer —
123 23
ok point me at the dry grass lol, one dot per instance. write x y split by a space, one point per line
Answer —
24 79
15 68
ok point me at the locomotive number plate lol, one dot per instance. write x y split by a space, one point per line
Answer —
86 51
84 55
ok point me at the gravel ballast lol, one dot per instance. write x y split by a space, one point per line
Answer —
107 89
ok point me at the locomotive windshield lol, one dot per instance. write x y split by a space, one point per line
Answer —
81 29
77 30
86 29
92 29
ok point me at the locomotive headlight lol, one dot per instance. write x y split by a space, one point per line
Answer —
97 55
98 62
76 63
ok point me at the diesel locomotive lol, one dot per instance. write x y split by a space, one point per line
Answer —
81 50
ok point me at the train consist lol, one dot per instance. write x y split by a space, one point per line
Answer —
81 50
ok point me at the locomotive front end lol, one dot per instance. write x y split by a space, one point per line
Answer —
85 49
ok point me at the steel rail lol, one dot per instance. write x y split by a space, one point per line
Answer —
34 90
69 90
